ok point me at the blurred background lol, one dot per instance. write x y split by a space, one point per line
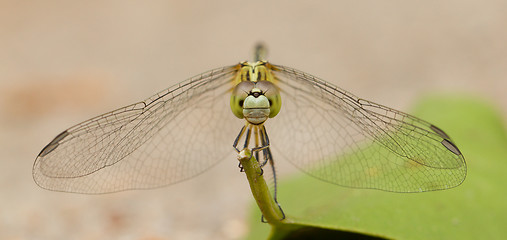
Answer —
62 62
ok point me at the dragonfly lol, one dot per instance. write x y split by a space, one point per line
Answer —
182 131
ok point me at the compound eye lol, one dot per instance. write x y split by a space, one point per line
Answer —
238 96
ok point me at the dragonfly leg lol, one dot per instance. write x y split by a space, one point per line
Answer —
257 158
238 138
257 149
259 146
265 142
247 138
235 144
264 146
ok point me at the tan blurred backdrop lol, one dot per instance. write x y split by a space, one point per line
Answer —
62 62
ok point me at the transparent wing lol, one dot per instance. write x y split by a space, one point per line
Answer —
339 138
169 137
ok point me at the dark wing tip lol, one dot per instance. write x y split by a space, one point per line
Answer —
439 132
53 144
451 147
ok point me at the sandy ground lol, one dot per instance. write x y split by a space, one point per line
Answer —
62 62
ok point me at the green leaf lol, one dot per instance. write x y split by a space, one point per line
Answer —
475 210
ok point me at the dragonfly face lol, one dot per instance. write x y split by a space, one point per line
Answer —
255 97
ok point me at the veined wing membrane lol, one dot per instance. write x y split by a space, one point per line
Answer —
171 136
336 137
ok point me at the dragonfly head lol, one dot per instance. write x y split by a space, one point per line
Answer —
255 101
